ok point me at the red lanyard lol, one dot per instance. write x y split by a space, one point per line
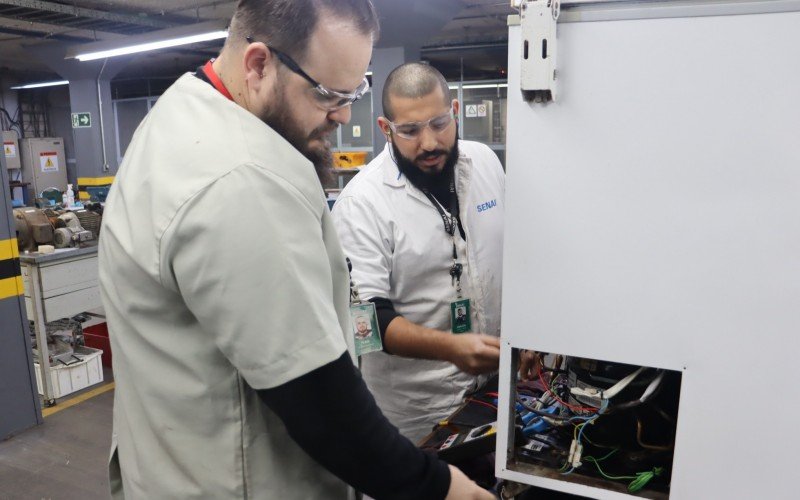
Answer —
212 76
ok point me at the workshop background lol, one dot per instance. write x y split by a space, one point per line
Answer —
76 119
650 253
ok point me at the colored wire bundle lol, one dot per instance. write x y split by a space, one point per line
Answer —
563 403
583 415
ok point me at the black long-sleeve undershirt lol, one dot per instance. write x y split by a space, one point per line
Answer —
385 311
332 415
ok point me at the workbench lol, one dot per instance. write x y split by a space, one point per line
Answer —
58 285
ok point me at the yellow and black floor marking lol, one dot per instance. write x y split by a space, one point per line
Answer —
10 275
84 182
80 398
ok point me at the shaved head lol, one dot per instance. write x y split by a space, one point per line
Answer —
412 80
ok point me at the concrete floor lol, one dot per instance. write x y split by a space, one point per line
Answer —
63 459
66 457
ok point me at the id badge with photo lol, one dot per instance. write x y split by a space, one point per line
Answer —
460 316
366 334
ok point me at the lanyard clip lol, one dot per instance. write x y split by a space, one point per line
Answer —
455 273
355 298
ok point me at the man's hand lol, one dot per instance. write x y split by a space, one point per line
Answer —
462 488
528 361
475 353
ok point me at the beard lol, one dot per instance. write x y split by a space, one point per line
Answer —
427 180
279 118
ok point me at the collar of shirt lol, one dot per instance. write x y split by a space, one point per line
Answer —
208 75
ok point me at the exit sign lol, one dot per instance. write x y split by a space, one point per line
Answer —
81 120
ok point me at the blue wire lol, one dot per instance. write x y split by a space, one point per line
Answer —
580 433
591 419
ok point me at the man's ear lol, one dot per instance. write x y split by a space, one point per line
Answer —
383 124
258 65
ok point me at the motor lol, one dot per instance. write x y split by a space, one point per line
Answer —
71 233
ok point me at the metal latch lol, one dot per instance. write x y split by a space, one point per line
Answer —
538 74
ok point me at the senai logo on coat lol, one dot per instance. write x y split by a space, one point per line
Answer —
486 206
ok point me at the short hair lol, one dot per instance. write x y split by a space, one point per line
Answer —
288 25
414 79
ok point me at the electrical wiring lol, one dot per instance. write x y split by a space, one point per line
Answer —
642 478
595 444
577 436
602 458
563 403
482 403
639 481
603 473
583 427
614 460
543 414
8 117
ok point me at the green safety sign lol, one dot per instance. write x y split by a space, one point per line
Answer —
81 120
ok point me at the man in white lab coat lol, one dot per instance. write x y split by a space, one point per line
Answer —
423 227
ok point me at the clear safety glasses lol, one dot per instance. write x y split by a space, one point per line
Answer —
325 98
412 130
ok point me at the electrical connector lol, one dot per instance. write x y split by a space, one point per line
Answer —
576 457
587 395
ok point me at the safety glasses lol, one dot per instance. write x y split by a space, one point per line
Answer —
325 98
412 130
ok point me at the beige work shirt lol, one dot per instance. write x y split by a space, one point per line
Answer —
221 273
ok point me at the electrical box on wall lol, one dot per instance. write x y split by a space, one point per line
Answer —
11 150
44 163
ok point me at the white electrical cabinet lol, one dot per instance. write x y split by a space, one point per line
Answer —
652 220
11 150
44 163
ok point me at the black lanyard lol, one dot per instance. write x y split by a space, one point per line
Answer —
450 223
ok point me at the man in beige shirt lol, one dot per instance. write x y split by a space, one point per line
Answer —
225 286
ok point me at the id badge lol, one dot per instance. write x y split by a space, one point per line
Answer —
365 328
460 317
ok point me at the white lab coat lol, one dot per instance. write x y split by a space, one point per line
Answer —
396 241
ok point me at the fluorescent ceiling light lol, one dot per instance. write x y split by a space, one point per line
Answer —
479 86
146 47
40 85
487 86
154 40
